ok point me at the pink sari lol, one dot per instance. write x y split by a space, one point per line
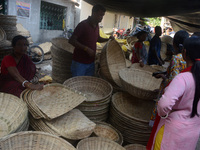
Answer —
26 69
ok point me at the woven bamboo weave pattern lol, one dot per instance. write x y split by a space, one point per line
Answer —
13 113
112 60
55 100
140 83
94 88
34 141
98 143
73 125
135 147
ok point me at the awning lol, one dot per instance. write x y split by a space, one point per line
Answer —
149 8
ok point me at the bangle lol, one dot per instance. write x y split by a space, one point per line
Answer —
164 117
140 61
24 83
85 48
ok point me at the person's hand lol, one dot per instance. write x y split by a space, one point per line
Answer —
141 64
35 86
160 76
90 52
111 37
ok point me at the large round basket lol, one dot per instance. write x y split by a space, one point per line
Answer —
112 60
61 52
131 116
98 143
13 114
95 89
34 141
98 93
106 130
140 83
135 147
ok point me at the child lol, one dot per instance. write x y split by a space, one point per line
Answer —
179 106
139 49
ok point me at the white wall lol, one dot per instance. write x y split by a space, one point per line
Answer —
33 22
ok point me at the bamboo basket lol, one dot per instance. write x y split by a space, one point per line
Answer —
140 83
2 34
150 68
106 130
61 52
135 147
13 114
55 100
94 88
34 141
98 143
112 60
131 116
73 125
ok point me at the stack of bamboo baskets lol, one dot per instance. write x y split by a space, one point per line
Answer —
13 115
61 52
52 111
98 93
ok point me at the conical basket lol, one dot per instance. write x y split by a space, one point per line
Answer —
13 114
140 83
112 60
34 141
98 143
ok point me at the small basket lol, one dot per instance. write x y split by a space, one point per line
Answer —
98 143
106 130
34 140
135 147
140 83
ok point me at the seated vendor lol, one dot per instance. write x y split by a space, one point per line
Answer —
17 69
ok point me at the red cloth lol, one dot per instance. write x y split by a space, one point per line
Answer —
26 69
157 120
88 36
134 59
8 61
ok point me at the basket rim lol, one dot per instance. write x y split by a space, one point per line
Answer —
35 133
96 139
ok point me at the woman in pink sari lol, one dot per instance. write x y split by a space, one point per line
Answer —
179 106
17 69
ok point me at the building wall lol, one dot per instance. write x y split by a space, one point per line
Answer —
110 20
33 22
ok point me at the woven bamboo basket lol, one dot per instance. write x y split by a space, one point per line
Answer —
94 88
106 130
8 20
132 107
73 125
2 34
55 100
61 52
150 68
98 143
34 140
13 114
112 60
140 83
135 147
131 116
